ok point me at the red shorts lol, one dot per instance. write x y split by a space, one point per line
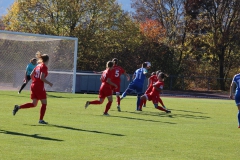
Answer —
38 93
153 98
118 87
105 92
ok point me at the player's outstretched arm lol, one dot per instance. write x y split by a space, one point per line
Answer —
42 77
128 77
98 72
111 83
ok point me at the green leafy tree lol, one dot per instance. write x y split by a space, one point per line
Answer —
103 29
216 33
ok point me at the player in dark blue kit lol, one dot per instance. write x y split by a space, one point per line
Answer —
236 83
137 83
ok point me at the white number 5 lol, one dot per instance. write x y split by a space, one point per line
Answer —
117 73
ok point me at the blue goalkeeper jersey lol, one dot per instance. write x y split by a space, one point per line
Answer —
30 68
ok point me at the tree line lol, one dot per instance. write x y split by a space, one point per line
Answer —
180 37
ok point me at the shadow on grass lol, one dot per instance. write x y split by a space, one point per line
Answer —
147 120
187 111
82 130
27 135
53 96
170 115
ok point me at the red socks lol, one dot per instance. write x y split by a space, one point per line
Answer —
27 105
161 108
108 106
42 111
160 101
95 102
118 100
144 102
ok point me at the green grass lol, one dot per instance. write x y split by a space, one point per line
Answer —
197 129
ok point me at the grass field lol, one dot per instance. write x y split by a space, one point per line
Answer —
197 129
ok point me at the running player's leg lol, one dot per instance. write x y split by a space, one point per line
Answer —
35 95
102 95
139 94
24 84
238 115
43 111
155 103
142 100
161 102
108 105
129 90
147 92
118 99
237 101
26 105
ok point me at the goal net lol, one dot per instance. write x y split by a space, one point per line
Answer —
16 50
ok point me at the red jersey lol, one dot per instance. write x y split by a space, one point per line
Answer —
38 70
158 84
153 79
105 75
118 71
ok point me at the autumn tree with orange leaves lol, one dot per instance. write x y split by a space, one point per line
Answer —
153 30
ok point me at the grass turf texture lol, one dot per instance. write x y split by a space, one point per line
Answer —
196 129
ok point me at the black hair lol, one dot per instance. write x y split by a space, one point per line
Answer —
109 64
162 75
115 60
144 65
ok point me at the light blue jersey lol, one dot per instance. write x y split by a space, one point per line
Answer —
30 68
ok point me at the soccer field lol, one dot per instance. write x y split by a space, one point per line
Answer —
197 129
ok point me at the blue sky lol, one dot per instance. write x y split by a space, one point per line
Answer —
4 4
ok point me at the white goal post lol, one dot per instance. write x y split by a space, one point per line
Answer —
17 48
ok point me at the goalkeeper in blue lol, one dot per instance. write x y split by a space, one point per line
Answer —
235 84
137 83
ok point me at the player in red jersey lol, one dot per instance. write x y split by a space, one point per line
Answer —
118 71
105 89
151 80
38 92
155 93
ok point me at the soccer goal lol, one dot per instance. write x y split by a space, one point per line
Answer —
17 48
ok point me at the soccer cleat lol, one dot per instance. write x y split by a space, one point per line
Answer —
19 92
42 122
168 111
144 105
15 109
118 108
121 98
106 114
87 104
